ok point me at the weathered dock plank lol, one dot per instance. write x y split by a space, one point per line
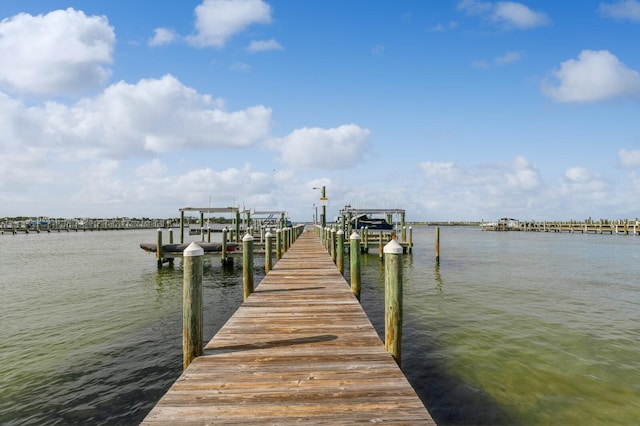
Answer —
299 349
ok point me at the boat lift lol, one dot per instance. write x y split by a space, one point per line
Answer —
394 216
240 214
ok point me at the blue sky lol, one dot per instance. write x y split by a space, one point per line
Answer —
452 110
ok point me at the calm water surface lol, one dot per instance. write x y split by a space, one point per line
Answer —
508 328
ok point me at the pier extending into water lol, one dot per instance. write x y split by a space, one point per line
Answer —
299 349
623 227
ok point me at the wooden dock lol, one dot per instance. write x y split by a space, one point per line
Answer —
300 349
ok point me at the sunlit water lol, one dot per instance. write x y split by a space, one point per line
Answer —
508 328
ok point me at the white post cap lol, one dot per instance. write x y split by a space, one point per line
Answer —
340 232
354 236
193 249
268 234
247 237
393 247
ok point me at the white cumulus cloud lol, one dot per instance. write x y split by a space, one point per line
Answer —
219 20
625 9
594 76
264 45
60 53
153 115
162 36
508 14
336 148
629 157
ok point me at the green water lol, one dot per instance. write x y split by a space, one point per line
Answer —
508 328
525 328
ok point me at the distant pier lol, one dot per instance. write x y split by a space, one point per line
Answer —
42 225
619 227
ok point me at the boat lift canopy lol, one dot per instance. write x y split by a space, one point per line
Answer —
212 209
355 211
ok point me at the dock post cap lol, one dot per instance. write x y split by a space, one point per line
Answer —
268 234
393 247
354 236
247 237
193 249
340 231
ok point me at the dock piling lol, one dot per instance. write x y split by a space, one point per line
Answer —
340 251
223 256
354 263
278 244
393 299
192 304
438 244
247 265
159 248
268 252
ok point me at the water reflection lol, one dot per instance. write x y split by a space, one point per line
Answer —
438 278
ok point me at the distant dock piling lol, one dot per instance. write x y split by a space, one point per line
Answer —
159 248
438 244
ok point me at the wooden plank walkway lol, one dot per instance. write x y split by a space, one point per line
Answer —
300 349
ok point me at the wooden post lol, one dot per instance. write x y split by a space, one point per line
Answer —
208 234
278 244
380 245
181 226
192 304
355 263
268 252
159 248
285 240
327 239
365 231
340 250
247 265
410 240
224 246
403 228
237 236
333 245
170 235
437 244
393 299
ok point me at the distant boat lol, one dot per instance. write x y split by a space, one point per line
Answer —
179 248
35 223
362 221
